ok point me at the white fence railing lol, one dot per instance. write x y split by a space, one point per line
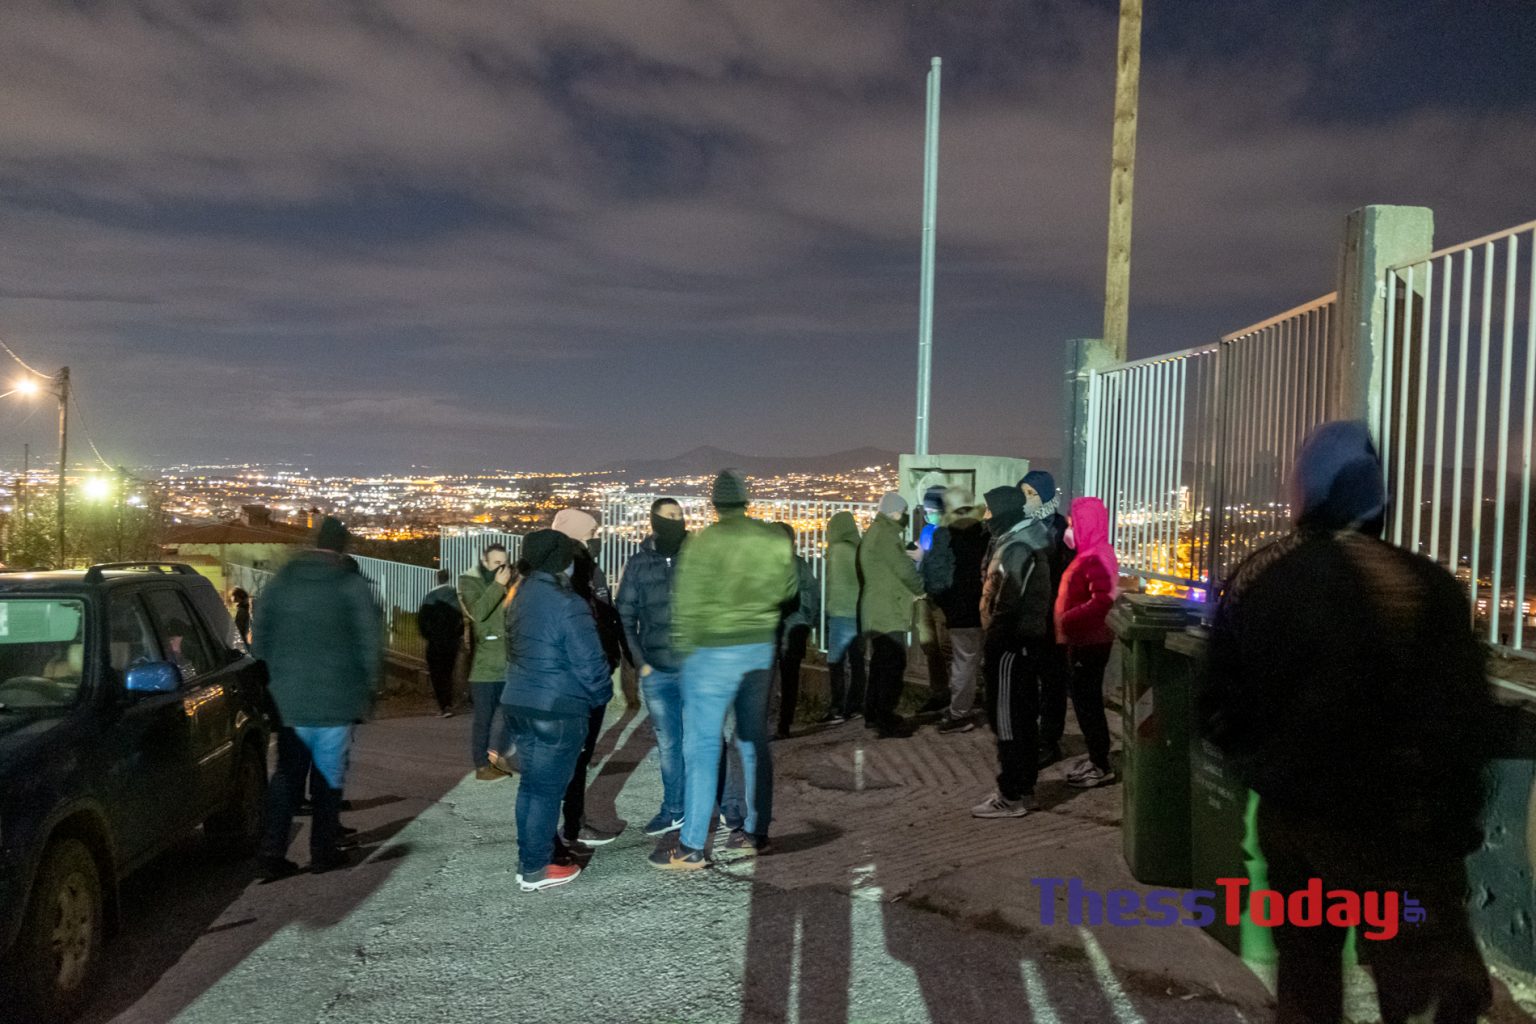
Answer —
1461 327
1191 450
398 588
460 547
627 522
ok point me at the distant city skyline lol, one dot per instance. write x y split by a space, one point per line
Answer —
559 234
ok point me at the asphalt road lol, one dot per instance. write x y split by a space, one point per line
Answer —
430 927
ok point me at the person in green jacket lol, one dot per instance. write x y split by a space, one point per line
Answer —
845 649
889 583
483 593
318 632
735 581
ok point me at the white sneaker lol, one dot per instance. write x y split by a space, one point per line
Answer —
1079 767
996 807
1088 779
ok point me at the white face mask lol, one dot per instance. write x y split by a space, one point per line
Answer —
1069 539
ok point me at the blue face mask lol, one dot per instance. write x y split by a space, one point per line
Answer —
932 517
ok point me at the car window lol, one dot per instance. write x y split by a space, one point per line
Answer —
181 642
42 651
130 640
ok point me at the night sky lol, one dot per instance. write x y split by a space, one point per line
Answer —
561 233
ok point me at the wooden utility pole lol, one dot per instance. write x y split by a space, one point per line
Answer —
1122 180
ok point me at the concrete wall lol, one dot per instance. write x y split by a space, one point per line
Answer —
977 473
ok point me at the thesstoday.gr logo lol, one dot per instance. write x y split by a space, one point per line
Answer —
1377 914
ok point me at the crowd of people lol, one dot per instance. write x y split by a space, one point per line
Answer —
1344 683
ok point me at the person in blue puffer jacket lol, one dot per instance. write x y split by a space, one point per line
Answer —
645 608
557 674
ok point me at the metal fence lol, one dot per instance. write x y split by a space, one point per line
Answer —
1461 324
1190 451
1275 388
460 547
250 579
627 522
398 588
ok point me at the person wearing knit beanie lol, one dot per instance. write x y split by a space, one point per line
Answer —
557 680
319 633
1042 484
730 490
1016 617
1042 502
332 535
735 581
574 523
591 585
892 505
547 551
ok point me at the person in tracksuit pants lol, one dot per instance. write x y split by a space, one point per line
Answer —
1015 615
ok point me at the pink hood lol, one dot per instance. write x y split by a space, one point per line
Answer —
1090 533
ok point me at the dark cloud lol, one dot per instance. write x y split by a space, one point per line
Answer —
554 233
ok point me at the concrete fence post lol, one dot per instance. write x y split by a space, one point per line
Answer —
1375 238
1084 355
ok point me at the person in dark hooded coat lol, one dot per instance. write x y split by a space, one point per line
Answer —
1347 686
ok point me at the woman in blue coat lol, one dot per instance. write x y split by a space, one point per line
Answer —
556 674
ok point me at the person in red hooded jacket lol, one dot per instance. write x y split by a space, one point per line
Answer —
1082 604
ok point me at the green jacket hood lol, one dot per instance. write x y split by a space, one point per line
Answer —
843 529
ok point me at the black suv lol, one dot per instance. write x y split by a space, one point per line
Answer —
130 713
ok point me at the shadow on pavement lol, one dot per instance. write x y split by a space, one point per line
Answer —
171 908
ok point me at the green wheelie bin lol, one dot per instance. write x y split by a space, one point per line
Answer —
1156 712
1223 816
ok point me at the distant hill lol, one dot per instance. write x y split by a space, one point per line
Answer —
708 459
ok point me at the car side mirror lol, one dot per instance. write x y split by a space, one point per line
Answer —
155 677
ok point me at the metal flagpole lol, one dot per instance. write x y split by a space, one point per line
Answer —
925 300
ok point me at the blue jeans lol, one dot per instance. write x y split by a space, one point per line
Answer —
486 697
547 748
716 680
733 791
663 694
845 665
327 749
842 631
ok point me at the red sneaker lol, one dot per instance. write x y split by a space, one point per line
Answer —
551 876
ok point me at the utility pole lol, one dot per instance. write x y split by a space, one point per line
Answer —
63 382
26 481
1122 179
930 222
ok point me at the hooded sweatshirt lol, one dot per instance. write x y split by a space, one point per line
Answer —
888 579
1344 679
1016 585
842 566
1089 584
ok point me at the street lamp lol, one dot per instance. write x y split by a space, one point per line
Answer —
58 386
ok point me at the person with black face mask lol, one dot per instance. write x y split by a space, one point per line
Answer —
483 593
589 583
1016 620
645 607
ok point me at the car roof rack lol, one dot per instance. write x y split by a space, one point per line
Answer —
96 573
